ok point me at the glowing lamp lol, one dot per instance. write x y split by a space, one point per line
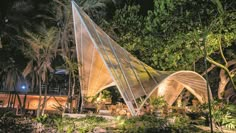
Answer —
23 87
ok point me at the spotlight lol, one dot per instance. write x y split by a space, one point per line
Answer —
23 87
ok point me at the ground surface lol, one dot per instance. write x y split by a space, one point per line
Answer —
77 123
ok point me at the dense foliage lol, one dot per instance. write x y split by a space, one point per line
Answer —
167 38
223 114
173 34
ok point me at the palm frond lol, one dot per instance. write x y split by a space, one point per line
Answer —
12 78
72 66
22 6
28 69
33 40
44 49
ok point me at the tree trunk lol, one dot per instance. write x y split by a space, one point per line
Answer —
23 106
40 97
230 95
80 102
9 100
19 100
225 69
222 84
72 93
14 100
209 69
44 99
69 93
223 78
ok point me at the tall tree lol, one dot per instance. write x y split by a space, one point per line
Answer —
12 80
41 51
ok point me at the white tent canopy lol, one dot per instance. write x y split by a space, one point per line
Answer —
104 63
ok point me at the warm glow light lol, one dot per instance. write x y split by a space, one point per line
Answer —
98 99
32 101
162 88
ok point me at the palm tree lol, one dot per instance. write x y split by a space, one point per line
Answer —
66 43
41 50
99 10
12 80
13 17
72 67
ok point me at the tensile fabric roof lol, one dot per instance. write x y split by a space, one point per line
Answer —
103 63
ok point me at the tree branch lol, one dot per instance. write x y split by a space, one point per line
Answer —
222 54
223 67
232 62
209 69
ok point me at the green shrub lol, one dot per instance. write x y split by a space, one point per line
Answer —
181 123
88 123
42 119
7 119
145 123
223 114
64 124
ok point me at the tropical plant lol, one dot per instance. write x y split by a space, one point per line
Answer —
42 119
62 15
157 104
18 15
66 44
222 39
106 94
12 79
145 123
181 123
11 76
72 67
88 123
13 18
7 119
170 36
99 10
41 50
171 27
59 124
223 114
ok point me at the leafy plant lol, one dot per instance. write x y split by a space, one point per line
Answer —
181 122
223 114
106 94
171 27
42 119
145 123
7 119
157 104
41 50
70 129
59 124
63 124
88 123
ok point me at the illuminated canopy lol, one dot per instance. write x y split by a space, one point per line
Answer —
103 63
